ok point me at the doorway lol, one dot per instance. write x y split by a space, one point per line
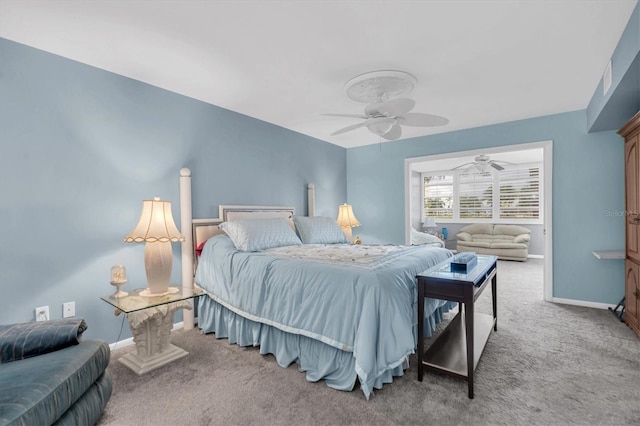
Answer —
542 151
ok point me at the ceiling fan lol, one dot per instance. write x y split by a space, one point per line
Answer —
482 163
386 119
387 110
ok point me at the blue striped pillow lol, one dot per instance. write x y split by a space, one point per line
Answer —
260 234
319 230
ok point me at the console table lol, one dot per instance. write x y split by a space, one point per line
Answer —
468 333
151 320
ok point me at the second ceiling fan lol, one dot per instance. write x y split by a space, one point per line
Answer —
482 163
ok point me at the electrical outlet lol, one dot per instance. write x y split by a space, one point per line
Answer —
68 309
42 313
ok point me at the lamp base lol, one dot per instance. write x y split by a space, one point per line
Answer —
157 263
119 293
147 292
347 232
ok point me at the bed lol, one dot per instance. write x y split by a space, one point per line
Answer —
345 314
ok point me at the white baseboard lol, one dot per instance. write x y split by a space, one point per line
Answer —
535 256
582 303
127 342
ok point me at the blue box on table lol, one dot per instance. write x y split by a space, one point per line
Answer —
464 262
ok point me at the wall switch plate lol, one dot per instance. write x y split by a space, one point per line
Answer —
68 309
42 313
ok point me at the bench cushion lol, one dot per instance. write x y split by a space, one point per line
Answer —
39 390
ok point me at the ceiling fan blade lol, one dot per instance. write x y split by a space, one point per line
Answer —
419 119
394 133
349 128
396 107
471 169
364 117
496 166
462 165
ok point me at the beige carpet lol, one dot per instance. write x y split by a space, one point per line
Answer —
547 364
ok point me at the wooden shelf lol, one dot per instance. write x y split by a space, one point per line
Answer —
449 352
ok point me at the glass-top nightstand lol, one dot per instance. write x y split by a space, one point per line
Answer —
151 320
135 302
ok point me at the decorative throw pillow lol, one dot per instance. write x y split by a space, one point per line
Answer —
419 238
319 230
260 234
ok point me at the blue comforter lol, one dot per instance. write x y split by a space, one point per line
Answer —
362 302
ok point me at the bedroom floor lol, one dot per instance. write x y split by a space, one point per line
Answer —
546 364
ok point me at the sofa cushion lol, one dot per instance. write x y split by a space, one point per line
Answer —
522 238
464 236
39 390
512 230
24 340
478 228
88 409
506 245
482 237
485 244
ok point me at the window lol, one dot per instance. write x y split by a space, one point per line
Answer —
475 195
510 195
520 193
438 196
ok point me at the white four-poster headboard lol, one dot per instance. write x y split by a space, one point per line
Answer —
196 231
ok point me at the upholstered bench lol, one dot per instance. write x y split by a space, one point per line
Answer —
48 376
508 242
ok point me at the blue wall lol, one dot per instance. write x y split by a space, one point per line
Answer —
612 110
80 148
588 192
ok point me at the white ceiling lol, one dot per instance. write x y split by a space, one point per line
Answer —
286 62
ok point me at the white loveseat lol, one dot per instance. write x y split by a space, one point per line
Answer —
508 242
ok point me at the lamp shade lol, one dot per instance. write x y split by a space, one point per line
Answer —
155 225
346 218
429 222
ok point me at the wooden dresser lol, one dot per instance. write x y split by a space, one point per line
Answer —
631 134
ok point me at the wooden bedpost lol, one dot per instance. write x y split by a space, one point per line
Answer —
311 200
187 244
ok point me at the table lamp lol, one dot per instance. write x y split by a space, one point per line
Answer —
347 220
157 230
429 222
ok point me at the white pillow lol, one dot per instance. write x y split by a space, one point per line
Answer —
420 238
260 234
319 230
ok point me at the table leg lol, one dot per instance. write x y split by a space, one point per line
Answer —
151 331
494 288
420 329
468 321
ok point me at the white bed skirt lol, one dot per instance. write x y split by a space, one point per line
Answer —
317 359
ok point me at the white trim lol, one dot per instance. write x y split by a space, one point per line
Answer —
547 174
583 303
535 256
121 344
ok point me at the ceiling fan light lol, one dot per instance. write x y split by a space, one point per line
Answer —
482 167
381 127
